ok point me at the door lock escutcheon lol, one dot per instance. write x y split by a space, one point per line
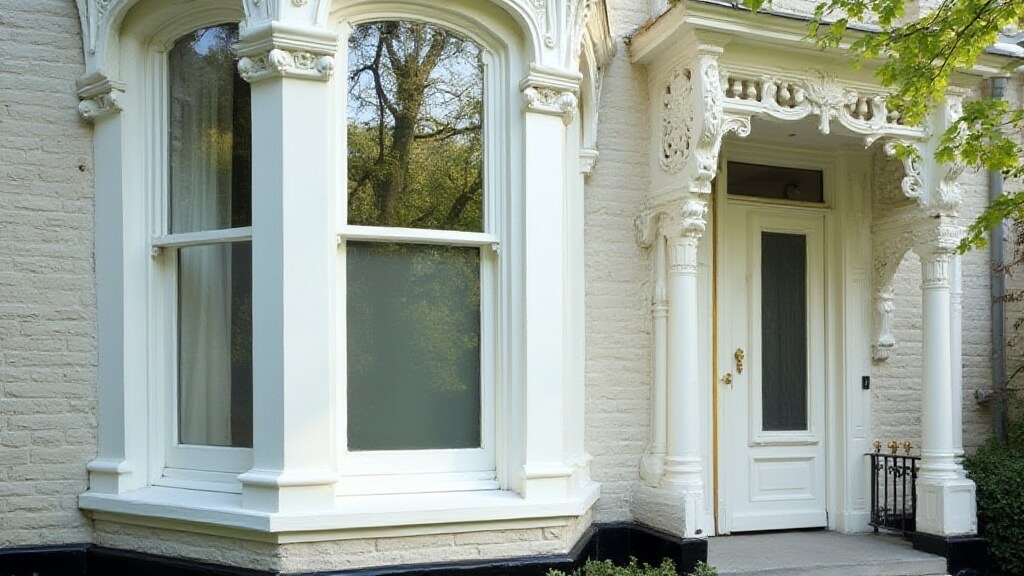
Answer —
727 379
739 355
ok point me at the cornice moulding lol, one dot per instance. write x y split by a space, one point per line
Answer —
284 64
288 37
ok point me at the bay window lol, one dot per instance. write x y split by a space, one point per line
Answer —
318 245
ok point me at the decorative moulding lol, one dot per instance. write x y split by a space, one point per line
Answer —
282 63
552 92
796 95
676 120
99 97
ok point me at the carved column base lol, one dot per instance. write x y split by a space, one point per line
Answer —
946 506
670 510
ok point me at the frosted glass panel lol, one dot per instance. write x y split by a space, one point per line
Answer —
215 345
413 346
783 331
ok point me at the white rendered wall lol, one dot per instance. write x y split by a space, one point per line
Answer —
47 294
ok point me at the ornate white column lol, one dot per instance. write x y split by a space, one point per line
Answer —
683 468
945 498
550 104
295 258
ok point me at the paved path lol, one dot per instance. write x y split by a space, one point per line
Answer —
819 553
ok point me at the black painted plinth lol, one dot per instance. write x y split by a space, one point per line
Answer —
615 542
43 560
965 555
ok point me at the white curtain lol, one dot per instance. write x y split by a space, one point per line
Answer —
200 180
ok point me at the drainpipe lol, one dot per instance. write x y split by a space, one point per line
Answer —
995 187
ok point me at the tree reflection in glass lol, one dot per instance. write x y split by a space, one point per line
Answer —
415 160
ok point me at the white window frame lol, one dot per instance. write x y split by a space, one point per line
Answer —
212 468
413 471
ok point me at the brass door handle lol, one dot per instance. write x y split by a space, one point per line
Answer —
727 379
739 355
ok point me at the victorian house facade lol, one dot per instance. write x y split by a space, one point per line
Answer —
688 284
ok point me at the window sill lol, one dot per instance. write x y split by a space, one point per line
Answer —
351 516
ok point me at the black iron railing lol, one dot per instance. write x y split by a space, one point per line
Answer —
894 489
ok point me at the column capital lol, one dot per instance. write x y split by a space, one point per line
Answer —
551 91
99 96
935 236
287 51
685 220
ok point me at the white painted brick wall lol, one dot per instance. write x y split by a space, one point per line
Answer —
47 296
618 294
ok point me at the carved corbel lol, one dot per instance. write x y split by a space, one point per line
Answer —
949 193
283 63
693 120
99 97
551 92
544 100
885 309
912 183
646 226
588 159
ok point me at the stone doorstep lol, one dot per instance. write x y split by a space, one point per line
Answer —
820 553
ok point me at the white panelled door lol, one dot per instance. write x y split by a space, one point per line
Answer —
771 367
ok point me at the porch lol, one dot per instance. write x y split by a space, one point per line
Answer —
817 553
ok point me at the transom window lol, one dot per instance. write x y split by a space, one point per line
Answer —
776 182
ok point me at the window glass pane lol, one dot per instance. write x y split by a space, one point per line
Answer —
413 346
415 128
210 177
784 331
775 182
215 345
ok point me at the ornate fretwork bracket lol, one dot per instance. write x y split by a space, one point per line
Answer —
934 185
684 218
99 97
551 93
937 238
282 63
693 119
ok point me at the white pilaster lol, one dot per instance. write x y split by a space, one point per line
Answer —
550 104
683 465
945 498
652 465
120 463
294 246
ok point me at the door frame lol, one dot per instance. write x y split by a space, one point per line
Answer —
847 280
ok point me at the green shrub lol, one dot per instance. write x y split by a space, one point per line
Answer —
998 471
607 568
